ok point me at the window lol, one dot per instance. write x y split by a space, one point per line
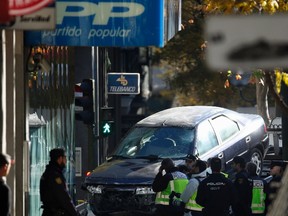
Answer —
206 138
225 127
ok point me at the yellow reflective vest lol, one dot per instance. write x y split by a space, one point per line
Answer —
177 184
258 197
192 205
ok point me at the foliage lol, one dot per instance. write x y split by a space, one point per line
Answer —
190 80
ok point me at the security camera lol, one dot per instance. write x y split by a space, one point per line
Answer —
41 62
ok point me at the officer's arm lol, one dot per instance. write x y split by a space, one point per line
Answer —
161 182
64 199
190 189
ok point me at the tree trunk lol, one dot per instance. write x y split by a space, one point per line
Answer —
262 99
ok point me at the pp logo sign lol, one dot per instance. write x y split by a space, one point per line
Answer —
102 11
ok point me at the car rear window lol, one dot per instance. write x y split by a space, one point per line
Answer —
225 127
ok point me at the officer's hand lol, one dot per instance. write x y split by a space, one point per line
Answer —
176 202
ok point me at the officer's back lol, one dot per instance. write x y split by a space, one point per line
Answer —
216 193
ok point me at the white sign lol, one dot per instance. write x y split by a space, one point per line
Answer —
21 7
44 19
239 42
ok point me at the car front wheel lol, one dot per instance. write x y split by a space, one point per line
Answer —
257 158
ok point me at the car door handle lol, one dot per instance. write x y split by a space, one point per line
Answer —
220 155
248 139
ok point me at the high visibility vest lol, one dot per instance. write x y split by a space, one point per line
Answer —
258 197
177 184
191 204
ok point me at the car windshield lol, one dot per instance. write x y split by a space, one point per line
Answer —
162 142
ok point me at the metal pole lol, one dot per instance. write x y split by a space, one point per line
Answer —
95 76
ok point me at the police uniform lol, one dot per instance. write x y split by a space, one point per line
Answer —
5 191
163 185
244 186
5 198
53 192
216 194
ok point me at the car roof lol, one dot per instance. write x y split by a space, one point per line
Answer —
185 116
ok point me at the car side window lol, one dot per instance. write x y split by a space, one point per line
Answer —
206 138
225 127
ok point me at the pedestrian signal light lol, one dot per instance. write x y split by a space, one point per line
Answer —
106 128
106 121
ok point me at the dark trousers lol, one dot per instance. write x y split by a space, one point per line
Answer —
167 210
214 212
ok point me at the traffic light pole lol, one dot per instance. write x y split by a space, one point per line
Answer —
95 76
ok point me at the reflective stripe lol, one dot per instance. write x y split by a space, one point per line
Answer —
178 185
192 205
258 197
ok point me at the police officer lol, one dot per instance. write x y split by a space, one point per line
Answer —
190 161
53 190
5 192
216 193
189 194
164 184
244 185
258 192
276 171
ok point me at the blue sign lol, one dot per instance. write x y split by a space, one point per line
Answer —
123 83
117 23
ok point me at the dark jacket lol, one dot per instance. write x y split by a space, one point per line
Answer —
54 194
5 198
243 185
216 194
160 183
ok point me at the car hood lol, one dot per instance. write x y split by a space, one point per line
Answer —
127 171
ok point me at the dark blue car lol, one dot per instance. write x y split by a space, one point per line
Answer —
123 182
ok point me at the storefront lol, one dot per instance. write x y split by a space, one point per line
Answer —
51 114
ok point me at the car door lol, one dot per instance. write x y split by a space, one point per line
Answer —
206 142
231 141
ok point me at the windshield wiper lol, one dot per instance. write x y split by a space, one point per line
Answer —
149 157
117 157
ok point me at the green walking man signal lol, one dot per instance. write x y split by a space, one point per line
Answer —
107 121
106 128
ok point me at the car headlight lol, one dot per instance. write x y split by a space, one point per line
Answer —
95 189
144 191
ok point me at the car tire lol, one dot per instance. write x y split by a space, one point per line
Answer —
257 158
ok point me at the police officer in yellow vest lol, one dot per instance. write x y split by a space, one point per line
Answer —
258 194
190 192
166 182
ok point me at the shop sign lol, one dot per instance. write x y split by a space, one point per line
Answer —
22 7
117 23
123 83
